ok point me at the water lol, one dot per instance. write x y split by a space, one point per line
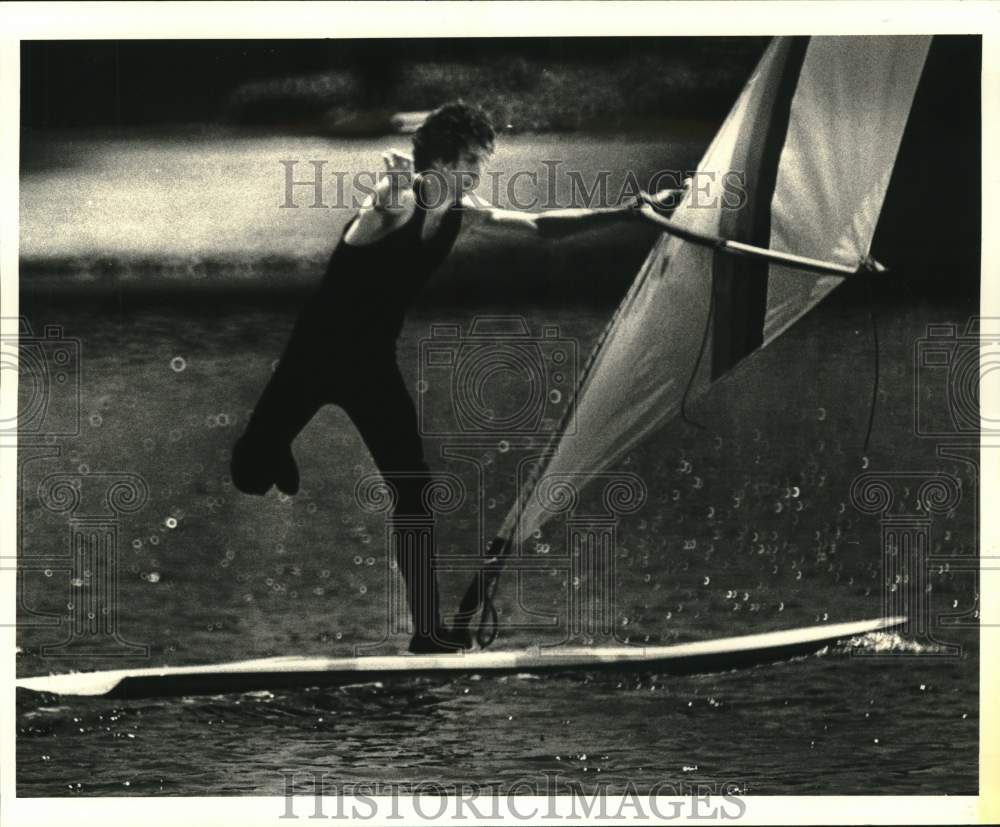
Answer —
748 528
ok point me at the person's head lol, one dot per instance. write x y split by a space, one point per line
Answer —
455 138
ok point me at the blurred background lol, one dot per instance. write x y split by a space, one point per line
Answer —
350 87
157 164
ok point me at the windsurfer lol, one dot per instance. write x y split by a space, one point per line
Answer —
342 348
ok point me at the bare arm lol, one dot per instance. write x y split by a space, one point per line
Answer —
553 224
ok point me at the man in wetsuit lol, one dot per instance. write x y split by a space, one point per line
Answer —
342 348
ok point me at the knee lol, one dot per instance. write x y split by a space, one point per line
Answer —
256 465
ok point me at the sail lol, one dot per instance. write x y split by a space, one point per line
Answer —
812 140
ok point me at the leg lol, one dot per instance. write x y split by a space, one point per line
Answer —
262 457
383 412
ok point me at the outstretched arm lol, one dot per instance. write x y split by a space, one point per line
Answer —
554 224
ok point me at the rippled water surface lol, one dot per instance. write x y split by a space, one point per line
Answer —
748 527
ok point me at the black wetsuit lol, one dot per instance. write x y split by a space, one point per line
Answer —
343 351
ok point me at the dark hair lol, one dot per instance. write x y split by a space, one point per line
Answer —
447 131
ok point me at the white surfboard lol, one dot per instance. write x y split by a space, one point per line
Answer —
702 656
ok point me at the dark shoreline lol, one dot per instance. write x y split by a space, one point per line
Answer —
592 270
352 87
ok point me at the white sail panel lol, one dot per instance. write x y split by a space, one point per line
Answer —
640 374
849 100
847 120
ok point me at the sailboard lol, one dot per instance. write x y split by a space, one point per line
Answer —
782 209
719 655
